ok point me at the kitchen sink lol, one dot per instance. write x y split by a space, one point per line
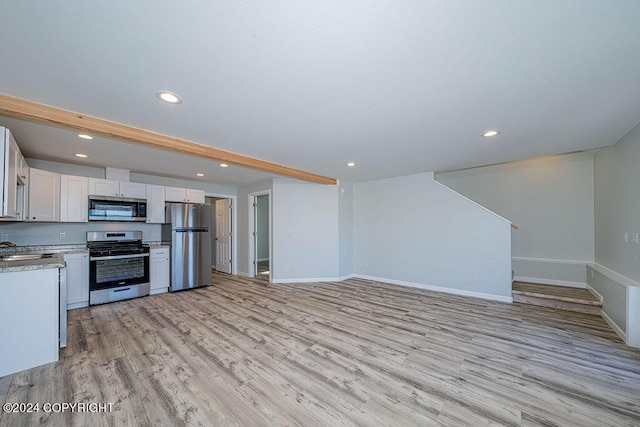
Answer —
26 257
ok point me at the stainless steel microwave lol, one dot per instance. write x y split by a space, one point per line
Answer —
117 209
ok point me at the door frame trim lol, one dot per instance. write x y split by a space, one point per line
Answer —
252 198
234 229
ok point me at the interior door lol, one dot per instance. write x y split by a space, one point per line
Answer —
223 235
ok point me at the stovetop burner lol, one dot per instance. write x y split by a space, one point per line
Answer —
109 243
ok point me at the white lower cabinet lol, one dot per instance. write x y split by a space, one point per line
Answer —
77 279
159 270
28 319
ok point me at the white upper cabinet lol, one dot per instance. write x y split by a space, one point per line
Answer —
111 188
175 194
133 190
44 196
155 204
104 187
12 165
195 196
74 198
184 195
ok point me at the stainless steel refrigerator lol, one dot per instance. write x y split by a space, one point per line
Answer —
189 229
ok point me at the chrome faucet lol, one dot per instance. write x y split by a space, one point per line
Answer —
6 243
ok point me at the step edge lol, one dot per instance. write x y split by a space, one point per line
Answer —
595 303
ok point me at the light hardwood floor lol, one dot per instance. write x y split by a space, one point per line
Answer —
244 352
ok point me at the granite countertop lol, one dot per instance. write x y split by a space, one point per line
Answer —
43 249
57 261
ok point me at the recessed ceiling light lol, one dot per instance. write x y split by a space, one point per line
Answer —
351 164
490 133
170 97
224 165
84 136
84 156
199 174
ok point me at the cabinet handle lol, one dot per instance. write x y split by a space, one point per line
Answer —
33 217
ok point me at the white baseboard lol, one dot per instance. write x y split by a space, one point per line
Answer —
565 283
595 293
309 280
158 291
75 305
438 288
243 274
614 326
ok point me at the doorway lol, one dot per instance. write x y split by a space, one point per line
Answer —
261 263
221 235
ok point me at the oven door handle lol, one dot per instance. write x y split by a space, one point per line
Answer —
107 258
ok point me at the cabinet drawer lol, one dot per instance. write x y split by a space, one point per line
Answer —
158 253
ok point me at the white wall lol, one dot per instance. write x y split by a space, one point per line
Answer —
550 199
617 211
617 205
262 222
345 228
413 230
244 245
305 231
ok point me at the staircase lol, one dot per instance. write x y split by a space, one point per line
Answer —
558 297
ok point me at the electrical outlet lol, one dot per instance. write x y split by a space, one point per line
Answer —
635 238
626 237
474 277
591 274
63 236
4 237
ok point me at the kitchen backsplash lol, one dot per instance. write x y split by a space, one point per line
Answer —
33 233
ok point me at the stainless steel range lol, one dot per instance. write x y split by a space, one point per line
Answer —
118 266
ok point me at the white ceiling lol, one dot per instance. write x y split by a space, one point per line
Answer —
397 86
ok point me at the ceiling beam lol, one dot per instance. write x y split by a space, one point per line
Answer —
32 111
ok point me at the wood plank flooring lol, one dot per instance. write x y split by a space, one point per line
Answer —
561 293
247 353
559 297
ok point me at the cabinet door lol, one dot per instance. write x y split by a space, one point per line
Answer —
44 196
23 168
104 187
175 194
133 190
10 178
155 204
195 196
74 195
77 280
159 273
